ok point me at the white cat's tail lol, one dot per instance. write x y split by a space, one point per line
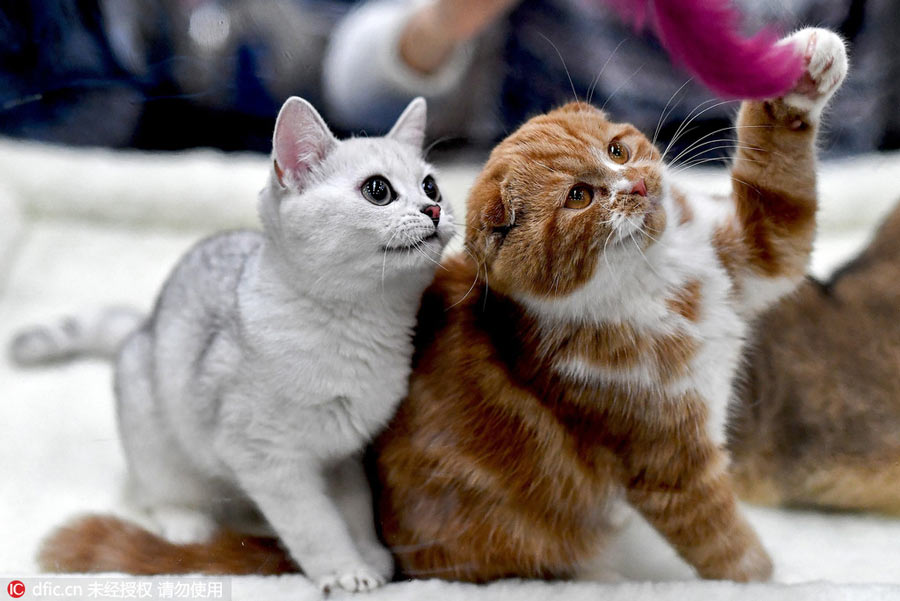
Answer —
96 334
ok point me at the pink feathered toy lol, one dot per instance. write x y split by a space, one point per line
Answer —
703 36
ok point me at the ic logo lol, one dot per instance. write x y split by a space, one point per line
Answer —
15 589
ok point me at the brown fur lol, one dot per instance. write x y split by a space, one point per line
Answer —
496 466
774 187
819 417
110 544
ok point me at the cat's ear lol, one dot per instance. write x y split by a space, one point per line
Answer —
490 212
410 126
300 142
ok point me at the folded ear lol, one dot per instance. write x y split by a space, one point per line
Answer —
489 210
300 142
410 126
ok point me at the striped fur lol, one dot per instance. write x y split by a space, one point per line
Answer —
570 357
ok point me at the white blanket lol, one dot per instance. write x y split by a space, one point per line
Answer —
80 228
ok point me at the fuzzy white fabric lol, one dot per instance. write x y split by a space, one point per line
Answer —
80 228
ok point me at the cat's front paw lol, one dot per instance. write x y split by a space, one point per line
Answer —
826 67
357 579
379 558
754 565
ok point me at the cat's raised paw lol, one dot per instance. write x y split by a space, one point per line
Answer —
826 67
355 580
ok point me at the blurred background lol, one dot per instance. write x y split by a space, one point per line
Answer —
94 209
175 74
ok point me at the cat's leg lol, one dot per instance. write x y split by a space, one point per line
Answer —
160 480
293 496
767 243
350 490
681 486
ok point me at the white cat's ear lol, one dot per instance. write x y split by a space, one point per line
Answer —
410 126
301 141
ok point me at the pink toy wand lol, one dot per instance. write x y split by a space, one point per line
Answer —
703 36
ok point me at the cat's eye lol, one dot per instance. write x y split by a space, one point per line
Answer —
580 196
378 191
429 186
618 152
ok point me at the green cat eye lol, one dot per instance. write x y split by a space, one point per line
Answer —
378 191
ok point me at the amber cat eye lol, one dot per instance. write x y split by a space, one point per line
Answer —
580 196
618 152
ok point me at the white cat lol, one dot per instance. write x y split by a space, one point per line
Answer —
272 358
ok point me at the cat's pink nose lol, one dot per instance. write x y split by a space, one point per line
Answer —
639 187
433 211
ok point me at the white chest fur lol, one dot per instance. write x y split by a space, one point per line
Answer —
636 289
319 377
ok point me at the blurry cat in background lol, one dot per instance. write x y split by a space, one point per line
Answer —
817 417
271 359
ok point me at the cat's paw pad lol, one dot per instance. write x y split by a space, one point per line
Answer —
184 526
355 580
825 57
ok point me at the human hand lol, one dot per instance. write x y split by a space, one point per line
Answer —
433 31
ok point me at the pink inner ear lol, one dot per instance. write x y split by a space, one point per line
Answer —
291 155
301 140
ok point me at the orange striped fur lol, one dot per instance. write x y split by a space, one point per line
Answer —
555 370
578 353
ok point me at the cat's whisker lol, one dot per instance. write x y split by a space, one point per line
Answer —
596 79
700 155
663 115
417 246
684 167
621 85
563 61
712 133
435 143
700 144
646 232
478 267
717 145
724 129
644 256
549 168
486 287
605 255
678 130
691 118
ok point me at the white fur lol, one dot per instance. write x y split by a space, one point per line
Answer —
827 65
632 287
272 360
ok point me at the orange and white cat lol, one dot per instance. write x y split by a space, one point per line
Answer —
585 346
582 349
